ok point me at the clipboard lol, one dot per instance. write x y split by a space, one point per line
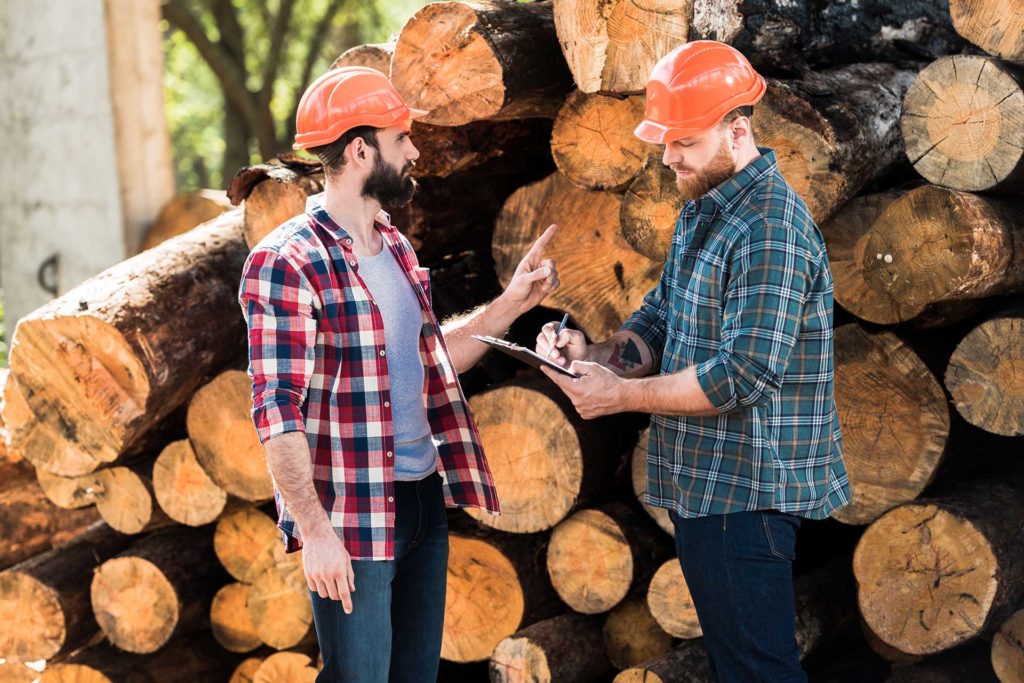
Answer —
523 354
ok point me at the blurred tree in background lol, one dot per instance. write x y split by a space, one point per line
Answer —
235 70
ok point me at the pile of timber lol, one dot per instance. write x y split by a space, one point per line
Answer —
135 498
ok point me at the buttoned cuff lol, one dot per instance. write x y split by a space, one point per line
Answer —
716 382
277 416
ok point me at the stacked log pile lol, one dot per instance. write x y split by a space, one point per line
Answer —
135 495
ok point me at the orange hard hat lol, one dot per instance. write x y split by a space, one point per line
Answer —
693 87
344 98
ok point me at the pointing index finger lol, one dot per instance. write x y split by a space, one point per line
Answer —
542 241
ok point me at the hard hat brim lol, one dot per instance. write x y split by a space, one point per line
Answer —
390 118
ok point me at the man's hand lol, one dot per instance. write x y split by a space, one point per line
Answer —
566 347
328 568
597 393
535 277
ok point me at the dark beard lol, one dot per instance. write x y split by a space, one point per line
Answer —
391 188
721 168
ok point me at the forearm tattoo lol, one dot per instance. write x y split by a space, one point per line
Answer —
626 356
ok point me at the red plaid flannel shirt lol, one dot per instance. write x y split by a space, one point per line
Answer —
319 366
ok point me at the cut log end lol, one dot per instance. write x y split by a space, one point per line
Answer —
962 123
72 673
246 671
230 620
247 543
32 618
184 212
286 667
134 603
650 209
927 578
183 490
124 501
638 470
485 601
519 660
668 598
225 441
279 604
985 376
374 55
590 562
68 493
271 203
632 636
993 25
1008 650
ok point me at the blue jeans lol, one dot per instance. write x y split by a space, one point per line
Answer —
739 570
394 631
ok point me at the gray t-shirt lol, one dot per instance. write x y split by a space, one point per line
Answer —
415 453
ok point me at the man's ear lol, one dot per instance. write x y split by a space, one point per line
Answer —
358 152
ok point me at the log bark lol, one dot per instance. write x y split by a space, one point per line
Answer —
226 444
374 55
668 598
963 124
160 587
497 585
894 420
985 375
482 60
191 658
593 144
183 490
603 279
183 212
546 460
513 146
279 603
937 572
247 543
1008 649
598 555
967 663
44 601
935 245
106 362
638 472
29 523
230 620
632 636
992 25
564 648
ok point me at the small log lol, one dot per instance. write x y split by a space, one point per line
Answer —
125 499
190 658
1008 649
603 279
246 671
934 245
183 489
992 25
279 603
593 144
225 441
160 587
69 493
374 55
985 375
497 585
183 212
29 523
44 601
274 192
963 124
102 365
937 572
286 667
230 620
598 555
668 598
631 635
894 420
465 62
638 471
564 648
545 459
650 209
247 543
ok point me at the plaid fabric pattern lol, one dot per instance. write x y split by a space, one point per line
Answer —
319 365
746 296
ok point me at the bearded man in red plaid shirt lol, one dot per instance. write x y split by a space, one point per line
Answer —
356 395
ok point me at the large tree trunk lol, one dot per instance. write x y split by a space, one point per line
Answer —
985 375
603 280
832 132
938 572
44 601
546 460
488 59
160 587
497 585
565 648
963 124
597 556
894 420
992 25
102 365
632 636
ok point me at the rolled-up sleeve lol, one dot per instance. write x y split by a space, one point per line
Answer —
772 272
278 309
650 321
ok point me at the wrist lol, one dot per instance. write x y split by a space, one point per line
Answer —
504 311
626 395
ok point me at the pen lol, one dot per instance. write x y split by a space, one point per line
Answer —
561 325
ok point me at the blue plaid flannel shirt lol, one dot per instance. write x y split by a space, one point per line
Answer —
746 296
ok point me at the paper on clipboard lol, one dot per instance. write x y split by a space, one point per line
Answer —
523 354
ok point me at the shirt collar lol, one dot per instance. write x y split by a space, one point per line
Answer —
730 192
315 209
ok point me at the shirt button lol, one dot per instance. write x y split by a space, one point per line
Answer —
382 352
352 263
391 499
390 454
387 404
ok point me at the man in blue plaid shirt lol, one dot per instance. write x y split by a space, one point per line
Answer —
744 432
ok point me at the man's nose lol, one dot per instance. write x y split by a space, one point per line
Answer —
670 157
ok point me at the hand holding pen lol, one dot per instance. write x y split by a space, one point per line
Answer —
561 345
